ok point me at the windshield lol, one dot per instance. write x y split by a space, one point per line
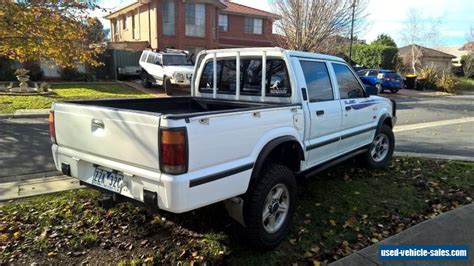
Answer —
175 60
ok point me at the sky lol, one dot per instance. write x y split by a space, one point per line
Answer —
389 17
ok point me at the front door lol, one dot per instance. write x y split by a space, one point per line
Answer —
325 113
359 111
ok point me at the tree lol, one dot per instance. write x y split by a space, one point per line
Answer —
307 24
418 31
48 30
95 31
385 40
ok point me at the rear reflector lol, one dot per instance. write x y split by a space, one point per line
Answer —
173 151
52 129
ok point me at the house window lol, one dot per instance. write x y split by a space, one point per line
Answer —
223 23
168 17
134 35
124 25
253 25
116 29
195 20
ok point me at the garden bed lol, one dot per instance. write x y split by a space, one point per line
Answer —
343 209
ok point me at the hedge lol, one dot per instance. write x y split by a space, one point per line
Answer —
375 56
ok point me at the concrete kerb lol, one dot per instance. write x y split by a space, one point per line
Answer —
20 178
35 187
435 156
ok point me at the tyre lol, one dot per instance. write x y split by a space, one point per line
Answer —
269 207
168 86
381 149
146 80
379 88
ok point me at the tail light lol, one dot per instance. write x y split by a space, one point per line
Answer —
173 151
52 129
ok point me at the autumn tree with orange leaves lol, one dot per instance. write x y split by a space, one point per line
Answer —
54 30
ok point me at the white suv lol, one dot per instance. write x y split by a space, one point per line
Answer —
166 68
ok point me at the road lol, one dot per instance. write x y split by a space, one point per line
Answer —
25 146
455 137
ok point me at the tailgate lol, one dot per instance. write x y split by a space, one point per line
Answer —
120 135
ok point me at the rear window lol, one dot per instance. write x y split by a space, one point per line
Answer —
392 75
277 81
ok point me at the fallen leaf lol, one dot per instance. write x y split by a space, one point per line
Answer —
51 254
316 249
374 240
332 222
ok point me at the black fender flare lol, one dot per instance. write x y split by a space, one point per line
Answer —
267 149
382 120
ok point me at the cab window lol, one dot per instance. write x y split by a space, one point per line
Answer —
349 86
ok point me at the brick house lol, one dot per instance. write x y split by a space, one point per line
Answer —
192 25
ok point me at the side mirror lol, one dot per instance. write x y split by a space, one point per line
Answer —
371 90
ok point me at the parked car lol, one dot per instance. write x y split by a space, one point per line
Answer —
166 68
243 136
382 79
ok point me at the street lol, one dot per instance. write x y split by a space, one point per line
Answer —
24 147
441 125
454 137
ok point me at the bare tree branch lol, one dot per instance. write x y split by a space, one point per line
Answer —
308 24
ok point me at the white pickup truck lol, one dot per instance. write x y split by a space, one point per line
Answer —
244 136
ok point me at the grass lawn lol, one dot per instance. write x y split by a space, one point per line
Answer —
9 104
465 84
341 210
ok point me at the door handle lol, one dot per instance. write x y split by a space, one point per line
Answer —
348 108
320 112
97 123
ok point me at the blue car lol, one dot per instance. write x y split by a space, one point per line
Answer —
382 79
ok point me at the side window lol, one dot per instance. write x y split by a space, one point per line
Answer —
151 58
317 79
349 87
277 81
373 73
361 72
143 57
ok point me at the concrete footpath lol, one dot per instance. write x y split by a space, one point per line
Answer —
455 227
37 186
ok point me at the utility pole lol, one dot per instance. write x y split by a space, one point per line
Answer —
352 31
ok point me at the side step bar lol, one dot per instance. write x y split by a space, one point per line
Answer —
333 162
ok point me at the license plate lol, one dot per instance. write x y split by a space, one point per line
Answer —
109 180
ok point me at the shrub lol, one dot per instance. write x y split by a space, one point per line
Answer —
71 74
36 74
446 82
376 56
427 78
7 72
